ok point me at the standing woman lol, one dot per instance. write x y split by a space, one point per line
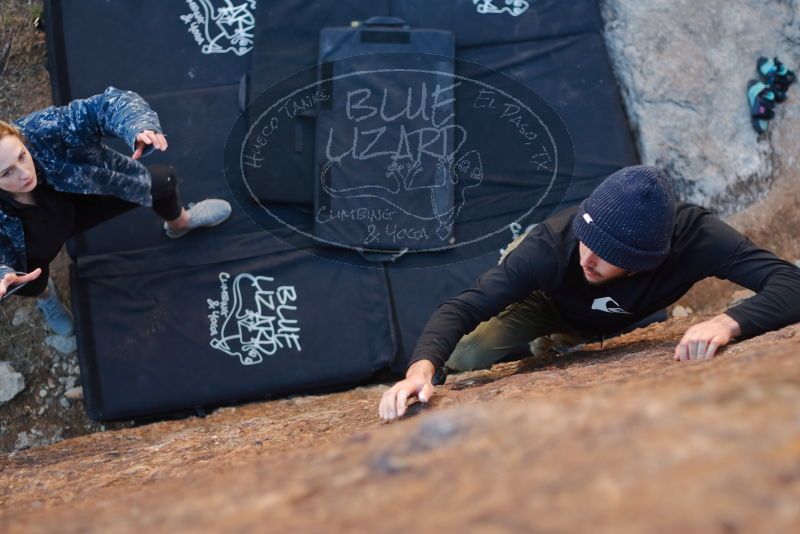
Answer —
57 179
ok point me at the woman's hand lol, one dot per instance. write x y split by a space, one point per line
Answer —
11 279
148 137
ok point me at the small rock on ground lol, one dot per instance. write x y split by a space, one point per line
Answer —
11 382
75 393
21 317
63 344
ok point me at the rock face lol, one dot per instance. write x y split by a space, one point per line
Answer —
683 68
613 439
11 382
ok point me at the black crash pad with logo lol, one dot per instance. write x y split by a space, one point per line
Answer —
176 327
234 313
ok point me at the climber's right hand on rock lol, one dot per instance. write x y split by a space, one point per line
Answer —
418 382
11 279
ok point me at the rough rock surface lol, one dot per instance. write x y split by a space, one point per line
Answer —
683 68
618 439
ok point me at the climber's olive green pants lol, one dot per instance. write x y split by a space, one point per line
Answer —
534 319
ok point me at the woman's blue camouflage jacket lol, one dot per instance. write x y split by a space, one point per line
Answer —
66 144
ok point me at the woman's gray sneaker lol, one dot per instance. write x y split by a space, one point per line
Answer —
55 313
209 212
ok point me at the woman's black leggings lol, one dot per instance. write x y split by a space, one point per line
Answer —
91 210
164 190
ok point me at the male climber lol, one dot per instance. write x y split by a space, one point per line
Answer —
592 270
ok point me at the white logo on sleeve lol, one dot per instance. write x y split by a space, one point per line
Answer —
608 305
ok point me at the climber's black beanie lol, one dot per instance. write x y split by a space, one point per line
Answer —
628 219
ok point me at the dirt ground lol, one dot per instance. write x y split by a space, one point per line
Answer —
616 439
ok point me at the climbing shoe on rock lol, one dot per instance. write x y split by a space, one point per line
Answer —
775 74
761 100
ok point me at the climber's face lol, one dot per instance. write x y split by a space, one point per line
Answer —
596 270
17 173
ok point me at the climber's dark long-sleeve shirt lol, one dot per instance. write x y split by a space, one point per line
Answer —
547 259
